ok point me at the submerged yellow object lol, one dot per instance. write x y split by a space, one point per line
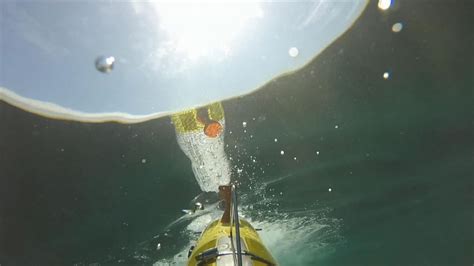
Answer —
187 121
217 238
225 242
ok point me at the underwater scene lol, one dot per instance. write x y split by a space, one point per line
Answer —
349 138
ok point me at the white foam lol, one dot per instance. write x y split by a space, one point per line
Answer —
308 233
208 159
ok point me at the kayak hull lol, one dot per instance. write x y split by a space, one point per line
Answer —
217 236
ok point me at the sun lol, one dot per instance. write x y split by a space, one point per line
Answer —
200 29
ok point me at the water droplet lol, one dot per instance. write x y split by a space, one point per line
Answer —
384 4
276 140
397 27
239 171
294 158
143 160
105 64
158 246
386 75
317 152
244 124
330 189
293 52
282 152
336 126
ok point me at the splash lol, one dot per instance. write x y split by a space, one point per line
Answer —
208 159
307 234
308 231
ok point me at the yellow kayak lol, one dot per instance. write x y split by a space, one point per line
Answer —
225 242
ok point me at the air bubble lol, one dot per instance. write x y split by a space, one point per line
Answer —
384 4
293 52
397 27
105 64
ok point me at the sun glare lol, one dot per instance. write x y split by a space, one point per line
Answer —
204 29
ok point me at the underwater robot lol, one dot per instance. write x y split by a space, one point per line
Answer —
230 240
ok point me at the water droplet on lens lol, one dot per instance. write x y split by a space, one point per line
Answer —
293 52
384 4
397 27
105 64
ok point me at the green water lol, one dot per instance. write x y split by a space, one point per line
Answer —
397 155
